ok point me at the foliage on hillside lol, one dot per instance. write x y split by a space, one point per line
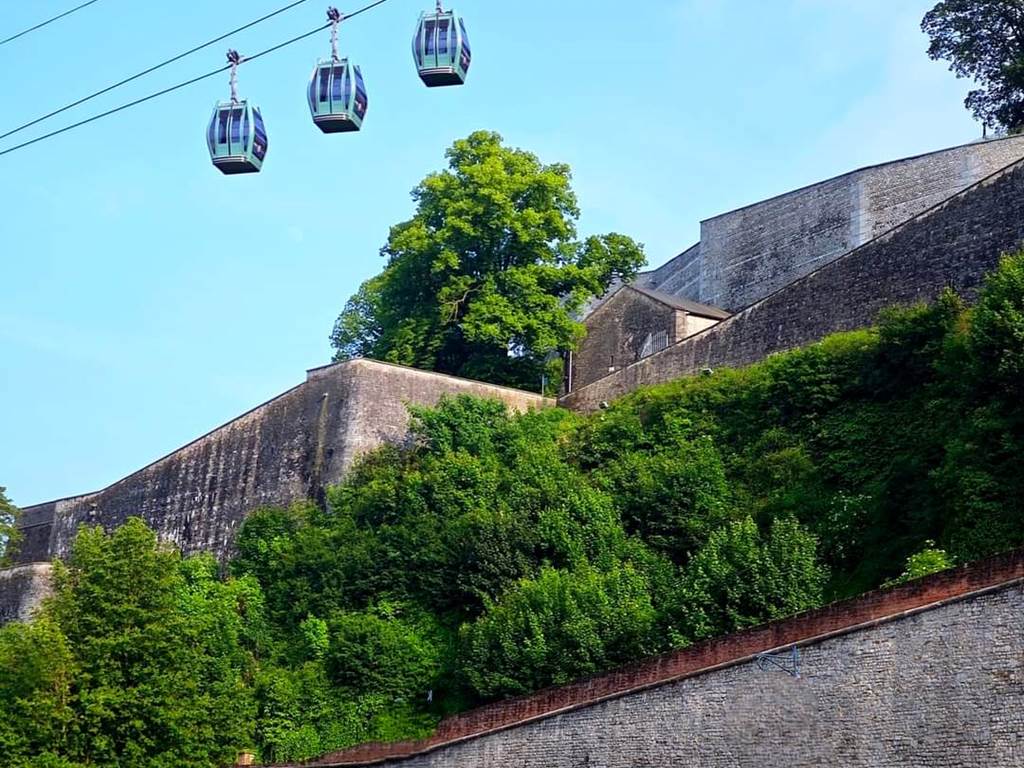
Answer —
483 281
502 553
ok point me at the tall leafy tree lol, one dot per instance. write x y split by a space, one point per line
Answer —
483 281
983 40
142 658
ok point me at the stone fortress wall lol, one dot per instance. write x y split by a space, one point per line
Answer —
953 244
22 589
929 673
747 254
625 326
285 450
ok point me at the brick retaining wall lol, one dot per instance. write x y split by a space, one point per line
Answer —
953 641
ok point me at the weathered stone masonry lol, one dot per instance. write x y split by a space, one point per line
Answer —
930 673
287 449
746 254
618 329
953 244
22 589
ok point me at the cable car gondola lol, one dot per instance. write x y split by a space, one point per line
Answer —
236 135
337 93
441 48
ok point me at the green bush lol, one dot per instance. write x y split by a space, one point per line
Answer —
380 652
556 628
928 560
740 579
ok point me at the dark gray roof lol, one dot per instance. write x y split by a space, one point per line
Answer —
678 302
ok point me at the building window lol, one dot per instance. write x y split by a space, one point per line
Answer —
655 342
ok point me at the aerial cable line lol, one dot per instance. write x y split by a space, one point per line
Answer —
154 68
42 24
172 88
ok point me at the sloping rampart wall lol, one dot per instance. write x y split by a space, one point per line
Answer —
953 244
22 589
746 254
287 449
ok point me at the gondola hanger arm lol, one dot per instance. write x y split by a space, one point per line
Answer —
334 17
234 59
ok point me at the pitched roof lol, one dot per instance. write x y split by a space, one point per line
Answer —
678 302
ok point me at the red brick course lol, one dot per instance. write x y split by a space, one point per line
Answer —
802 629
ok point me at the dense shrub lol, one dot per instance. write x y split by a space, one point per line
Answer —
558 627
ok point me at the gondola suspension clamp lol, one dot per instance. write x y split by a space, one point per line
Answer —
234 59
334 16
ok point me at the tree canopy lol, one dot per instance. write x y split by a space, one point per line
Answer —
983 40
139 659
483 281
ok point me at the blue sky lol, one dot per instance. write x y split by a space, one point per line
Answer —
147 298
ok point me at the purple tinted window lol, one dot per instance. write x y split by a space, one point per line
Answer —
222 126
337 76
259 141
325 81
236 126
361 100
431 35
442 37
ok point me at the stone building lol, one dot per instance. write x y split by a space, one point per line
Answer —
747 254
635 322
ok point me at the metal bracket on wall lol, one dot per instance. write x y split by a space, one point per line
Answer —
787 662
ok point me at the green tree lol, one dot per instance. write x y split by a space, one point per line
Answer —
558 627
158 653
922 563
479 501
740 579
982 476
997 327
379 651
674 497
303 714
9 533
483 281
36 676
983 40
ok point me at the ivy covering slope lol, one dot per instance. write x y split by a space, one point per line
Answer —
502 553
